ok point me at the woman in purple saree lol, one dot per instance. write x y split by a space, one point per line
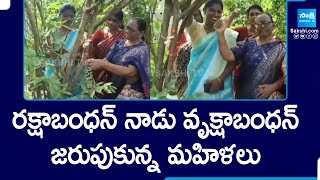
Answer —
261 58
129 64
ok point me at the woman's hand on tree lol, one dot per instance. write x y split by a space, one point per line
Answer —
97 64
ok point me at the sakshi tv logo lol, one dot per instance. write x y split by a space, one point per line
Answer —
307 18
5 4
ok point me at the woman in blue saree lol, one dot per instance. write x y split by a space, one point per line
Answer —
63 40
128 63
209 76
262 60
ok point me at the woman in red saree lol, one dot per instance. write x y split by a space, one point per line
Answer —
102 41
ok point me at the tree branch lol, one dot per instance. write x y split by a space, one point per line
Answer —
93 7
182 27
193 8
92 20
34 27
122 4
161 45
83 24
174 41
40 9
185 4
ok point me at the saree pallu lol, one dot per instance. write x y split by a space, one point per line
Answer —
54 65
137 56
101 46
282 94
207 64
181 63
260 65
268 70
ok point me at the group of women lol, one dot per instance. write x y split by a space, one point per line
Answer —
223 63
115 54
216 63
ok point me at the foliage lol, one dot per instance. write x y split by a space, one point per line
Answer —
49 54
169 92
46 13
277 8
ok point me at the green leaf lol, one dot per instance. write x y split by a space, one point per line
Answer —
154 91
100 83
92 92
99 89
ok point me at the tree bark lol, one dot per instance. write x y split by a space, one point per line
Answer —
192 9
173 45
34 27
36 36
161 46
83 24
43 22
153 52
174 41
93 17
76 47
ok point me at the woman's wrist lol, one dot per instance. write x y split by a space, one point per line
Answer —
220 80
277 85
106 65
221 33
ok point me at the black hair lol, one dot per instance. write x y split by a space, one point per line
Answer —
268 14
66 7
254 6
142 25
212 2
119 15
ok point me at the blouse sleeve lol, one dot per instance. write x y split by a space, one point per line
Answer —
240 50
112 52
192 30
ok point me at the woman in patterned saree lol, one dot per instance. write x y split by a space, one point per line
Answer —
262 60
129 63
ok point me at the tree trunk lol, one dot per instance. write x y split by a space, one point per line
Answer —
83 24
36 36
174 41
177 17
92 20
34 27
153 52
161 46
